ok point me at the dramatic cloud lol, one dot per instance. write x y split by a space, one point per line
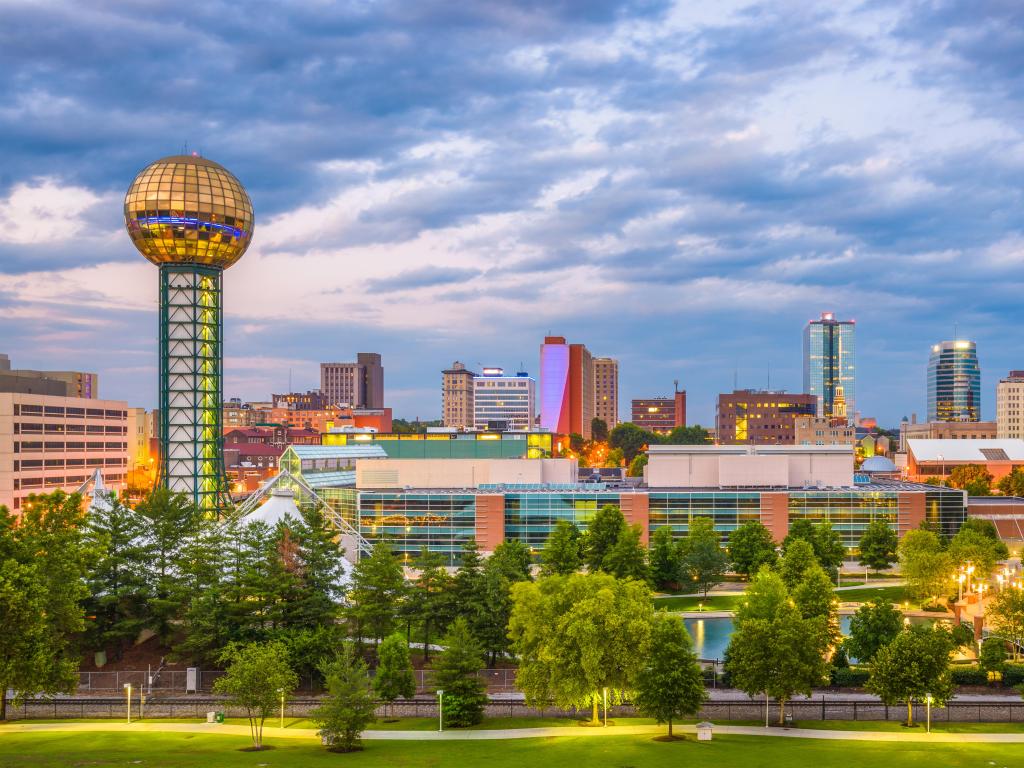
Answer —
679 185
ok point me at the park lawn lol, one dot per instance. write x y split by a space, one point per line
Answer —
160 750
896 727
892 594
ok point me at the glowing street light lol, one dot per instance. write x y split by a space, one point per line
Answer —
928 704
440 710
128 697
280 692
606 707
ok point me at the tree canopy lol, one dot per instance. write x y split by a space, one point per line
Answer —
913 665
670 684
750 546
878 546
874 625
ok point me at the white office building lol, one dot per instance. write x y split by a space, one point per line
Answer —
504 402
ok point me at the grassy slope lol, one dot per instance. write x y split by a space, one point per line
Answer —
154 750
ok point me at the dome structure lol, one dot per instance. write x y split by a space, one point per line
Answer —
186 209
878 464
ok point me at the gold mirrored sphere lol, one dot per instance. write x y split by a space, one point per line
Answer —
186 209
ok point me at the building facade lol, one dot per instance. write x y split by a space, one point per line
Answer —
954 382
457 396
566 387
59 383
504 403
606 390
818 430
830 365
946 430
50 443
1010 406
451 445
313 400
359 384
761 417
659 414
935 459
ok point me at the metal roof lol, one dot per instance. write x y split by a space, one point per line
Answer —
330 479
964 450
359 451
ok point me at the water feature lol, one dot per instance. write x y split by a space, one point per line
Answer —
711 635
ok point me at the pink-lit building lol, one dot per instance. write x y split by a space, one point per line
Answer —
50 443
566 387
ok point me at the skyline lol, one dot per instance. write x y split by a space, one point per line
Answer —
439 184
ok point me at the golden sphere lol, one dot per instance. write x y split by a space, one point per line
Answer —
186 209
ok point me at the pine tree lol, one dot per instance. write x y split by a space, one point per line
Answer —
665 559
349 706
431 594
395 676
376 592
321 569
456 674
562 552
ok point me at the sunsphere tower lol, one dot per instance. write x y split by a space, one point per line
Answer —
193 219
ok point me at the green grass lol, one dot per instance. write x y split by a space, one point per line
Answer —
892 594
158 750
937 727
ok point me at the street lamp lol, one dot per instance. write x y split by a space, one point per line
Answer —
928 707
280 692
606 707
440 710
128 696
960 585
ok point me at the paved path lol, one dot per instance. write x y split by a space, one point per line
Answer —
524 733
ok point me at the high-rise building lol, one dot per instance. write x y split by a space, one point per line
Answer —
193 219
660 414
829 365
760 417
359 384
566 387
606 390
56 383
505 403
954 382
457 396
1010 406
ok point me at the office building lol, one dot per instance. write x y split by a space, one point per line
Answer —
946 430
761 417
1010 406
817 430
235 413
359 384
660 414
450 445
457 396
314 400
55 383
50 443
606 390
566 387
954 382
829 365
504 403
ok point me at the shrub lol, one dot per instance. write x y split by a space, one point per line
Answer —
968 676
850 677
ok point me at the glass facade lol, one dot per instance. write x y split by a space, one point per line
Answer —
829 365
945 509
414 522
446 445
954 382
508 399
849 512
530 517
727 510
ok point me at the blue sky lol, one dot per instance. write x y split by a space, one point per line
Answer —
681 186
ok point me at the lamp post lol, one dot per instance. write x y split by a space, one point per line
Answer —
928 708
960 587
606 707
128 698
280 692
440 710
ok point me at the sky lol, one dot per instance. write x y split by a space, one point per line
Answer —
681 186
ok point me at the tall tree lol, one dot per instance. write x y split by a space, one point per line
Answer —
878 546
627 559
377 588
1013 483
467 587
349 705
256 677
1005 614
924 564
631 439
602 533
977 542
562 552
665 559
799 557
751 546
670 684
24 653
874 625
815 597
320 569
599 429
576 635
431 593
692 435
914 665
704 562
395 676
491 627
512 558
973 478
456 673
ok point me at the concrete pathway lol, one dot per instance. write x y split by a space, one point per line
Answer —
524 733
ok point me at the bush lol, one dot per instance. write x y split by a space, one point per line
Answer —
850 677
1013 674
968 676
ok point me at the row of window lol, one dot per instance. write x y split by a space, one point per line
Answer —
69 482
23 465
33 428
58 411
39 447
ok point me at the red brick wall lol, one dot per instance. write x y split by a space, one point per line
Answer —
490 521
636 509
775 514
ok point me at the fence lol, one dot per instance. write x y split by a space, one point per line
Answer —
1010 711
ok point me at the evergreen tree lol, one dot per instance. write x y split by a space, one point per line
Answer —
670 685
395 676
878 546
432 596
211 614
603 532
562 552
467 586
491 628
321 568
512 558
627 559
349 705
456 673
376 591
666 560
704 562
751 546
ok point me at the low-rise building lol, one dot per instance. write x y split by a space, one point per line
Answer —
821 430
935 459
660 414
946 430
761 417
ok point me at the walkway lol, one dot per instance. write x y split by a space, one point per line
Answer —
524 733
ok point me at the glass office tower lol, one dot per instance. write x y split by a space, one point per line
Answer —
954 382
829 368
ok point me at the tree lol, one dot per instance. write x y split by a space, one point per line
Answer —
815 597
467 587
432 596
562 552
874 625
602 533
319 567
576 442
349 705
978 542
992 657
670 684
751 546
692 435
395 676
631 439
826 543
576 635
1013 483
614 458
1005 614
765 597
924 564
491 627
878 546
599 430
256 678
665 560
636 466
377 587
456 673
973 478
627 559
798 558
512 559
704 562
914 665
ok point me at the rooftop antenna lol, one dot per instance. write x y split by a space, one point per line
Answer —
675 386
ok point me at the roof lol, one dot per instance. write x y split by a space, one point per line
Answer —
338 479
359 451
878 464
979 451
753 450
254 449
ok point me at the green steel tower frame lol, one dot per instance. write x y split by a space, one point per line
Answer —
191 383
